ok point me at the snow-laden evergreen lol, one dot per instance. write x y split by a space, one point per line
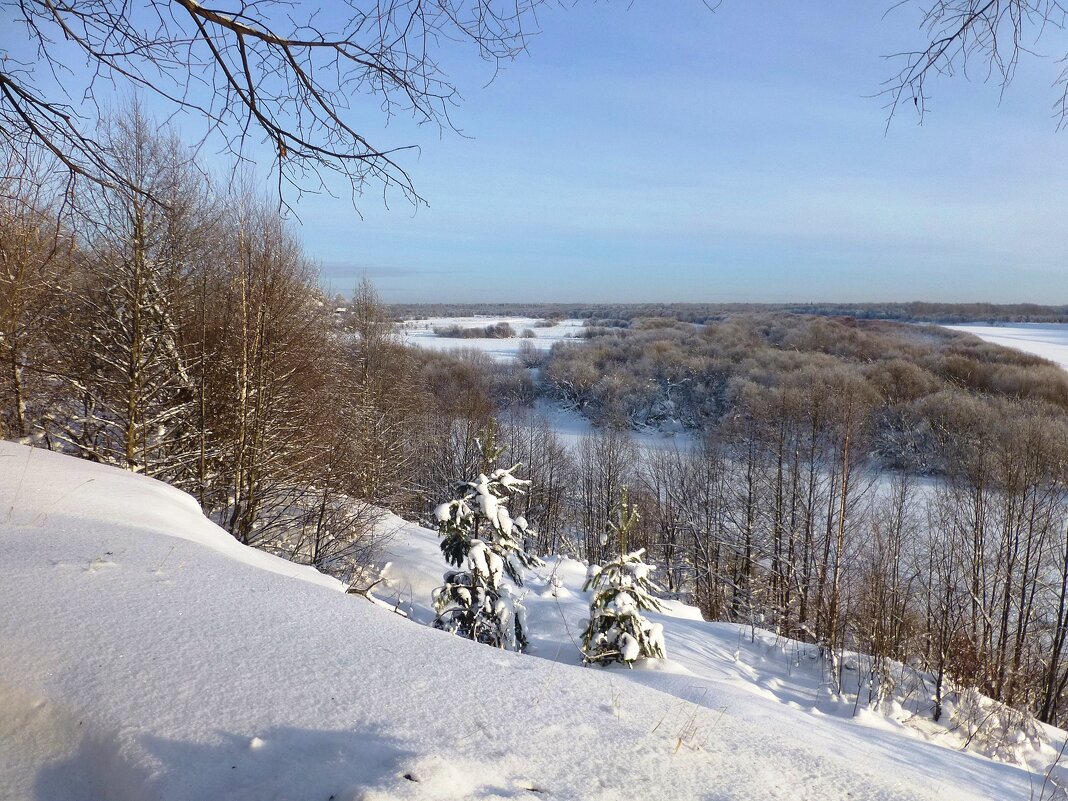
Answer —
479 535
622 589
617 632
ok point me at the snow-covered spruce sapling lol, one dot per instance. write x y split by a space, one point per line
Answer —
616 631
479 535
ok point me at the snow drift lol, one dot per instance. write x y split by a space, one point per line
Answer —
144 654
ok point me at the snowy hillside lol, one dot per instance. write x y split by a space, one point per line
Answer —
146 655
726 677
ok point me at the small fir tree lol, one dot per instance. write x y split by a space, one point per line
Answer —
616 631
479 535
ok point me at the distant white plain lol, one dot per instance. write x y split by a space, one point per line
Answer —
421 334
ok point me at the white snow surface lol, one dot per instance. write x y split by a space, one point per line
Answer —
571 427
1048 340
144 654
421 334
738 693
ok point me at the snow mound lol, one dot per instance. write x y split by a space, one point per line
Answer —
55 493
145 655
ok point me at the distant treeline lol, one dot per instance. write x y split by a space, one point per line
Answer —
944 313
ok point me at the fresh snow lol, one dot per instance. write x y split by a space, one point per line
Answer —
144 654
735 690
1048 340
571 427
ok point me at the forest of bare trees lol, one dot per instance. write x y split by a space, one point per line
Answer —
782 519
898 491
175 328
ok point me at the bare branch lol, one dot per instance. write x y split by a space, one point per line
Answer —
991 33
255 74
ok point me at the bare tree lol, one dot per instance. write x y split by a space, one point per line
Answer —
35 255
122 356
254 72
606 461
529 439
280 364
985 37
887 576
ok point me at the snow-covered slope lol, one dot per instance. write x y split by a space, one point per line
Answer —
145 655
748 691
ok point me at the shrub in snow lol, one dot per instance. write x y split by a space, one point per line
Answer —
616 631
479 535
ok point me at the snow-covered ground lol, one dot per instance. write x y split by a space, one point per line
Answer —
571 427
1048 340
145 655
421 334
743 689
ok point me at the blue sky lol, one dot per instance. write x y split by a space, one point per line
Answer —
640 154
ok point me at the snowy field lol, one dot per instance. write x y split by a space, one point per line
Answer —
1048 340
144 654
421 334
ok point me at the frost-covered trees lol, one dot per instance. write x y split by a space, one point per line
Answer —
616 631
480 537
130 384
35 257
